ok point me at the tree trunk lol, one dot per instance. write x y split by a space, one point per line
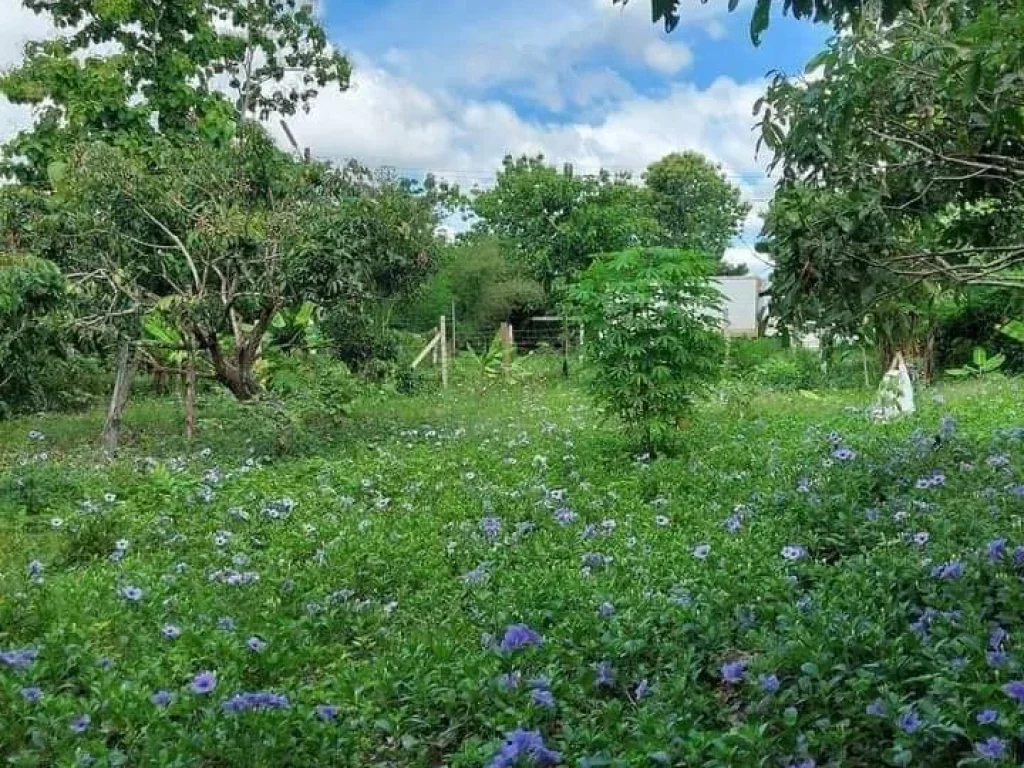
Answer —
190 397
119 397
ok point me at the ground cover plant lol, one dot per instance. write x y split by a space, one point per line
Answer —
498 581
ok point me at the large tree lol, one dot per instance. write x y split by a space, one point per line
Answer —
554 221
218 239
695 204
920 127
124 71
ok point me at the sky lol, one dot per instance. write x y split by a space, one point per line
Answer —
452 86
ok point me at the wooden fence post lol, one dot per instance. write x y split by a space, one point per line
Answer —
506 342
443 333
126 361
190 396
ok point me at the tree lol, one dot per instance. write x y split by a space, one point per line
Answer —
824 276
655 345
176 62
695 204
920 125
554 221
839 12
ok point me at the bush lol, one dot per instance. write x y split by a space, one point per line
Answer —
39 369
656 345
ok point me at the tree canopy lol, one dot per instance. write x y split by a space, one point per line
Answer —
695 204
123 71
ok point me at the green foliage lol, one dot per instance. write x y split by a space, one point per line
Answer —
38 369
695 204
841 13
485 284
892 139
172 62
553 222
654 341
379 584
981 365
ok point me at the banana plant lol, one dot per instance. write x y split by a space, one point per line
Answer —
981 365
296 328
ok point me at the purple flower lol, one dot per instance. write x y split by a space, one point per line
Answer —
921 537
105 662
509 681
327 712
521 746
226 623
256 644
909 722
132 593
793 552
734 671
643 688
1018 556
80 724
35 568
876 708
997 659
596 560
996 549
606 609
844 454
993 748
255 700
162 698
1015 690
19 658
475 576
540 693
32 693
565 516
733 523
171 631
954 569
769 683
998 460
204 682
987 717
605 674
519 636
701 551
490 527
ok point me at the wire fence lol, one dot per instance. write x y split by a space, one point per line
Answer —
524 349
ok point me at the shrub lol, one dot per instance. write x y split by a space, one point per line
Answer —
656 345
39 369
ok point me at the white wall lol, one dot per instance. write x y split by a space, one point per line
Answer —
741 303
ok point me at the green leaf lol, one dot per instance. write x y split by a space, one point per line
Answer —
1014 329
759 20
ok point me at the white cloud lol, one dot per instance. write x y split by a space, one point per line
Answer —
391 119
19 26
665 57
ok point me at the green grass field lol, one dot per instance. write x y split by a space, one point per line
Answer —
793 585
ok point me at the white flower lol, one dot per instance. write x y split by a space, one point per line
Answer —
56 522
110 498
661 521
121 545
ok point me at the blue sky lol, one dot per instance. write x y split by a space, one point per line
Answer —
451 86
579 80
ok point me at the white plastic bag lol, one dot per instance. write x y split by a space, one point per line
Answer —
895 393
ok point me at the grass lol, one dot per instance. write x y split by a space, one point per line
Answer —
372 566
